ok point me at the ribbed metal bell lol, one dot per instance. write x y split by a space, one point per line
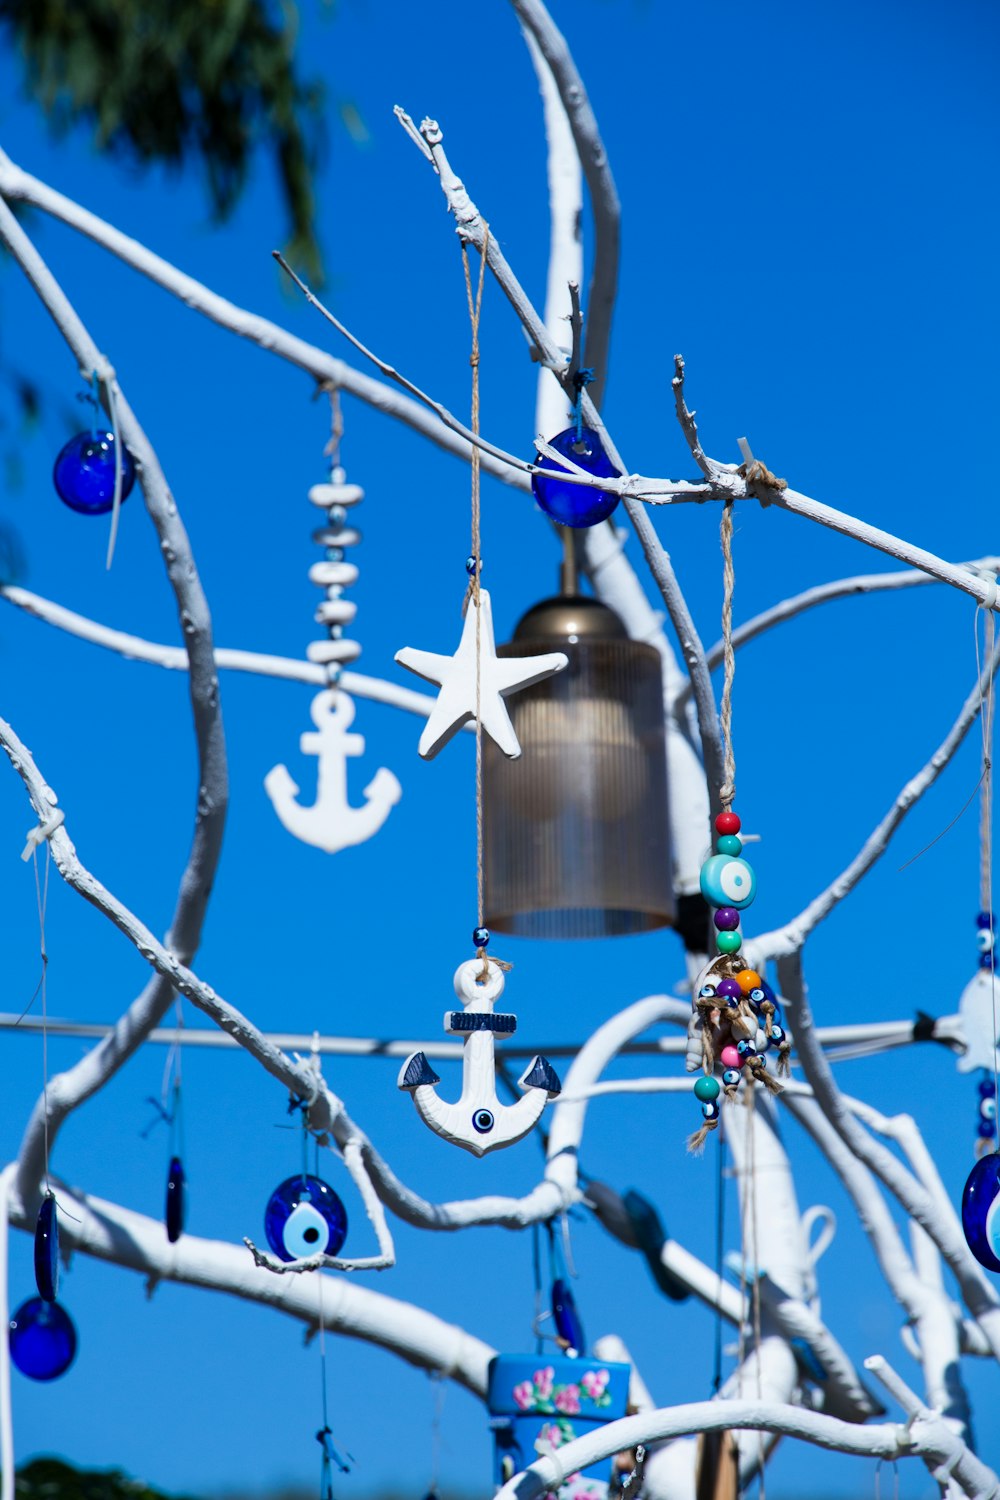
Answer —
577 840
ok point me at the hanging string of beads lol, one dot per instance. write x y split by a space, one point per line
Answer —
333 575
735 1018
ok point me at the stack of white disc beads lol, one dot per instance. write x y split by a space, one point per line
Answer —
334 575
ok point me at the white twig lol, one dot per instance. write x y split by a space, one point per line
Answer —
789 939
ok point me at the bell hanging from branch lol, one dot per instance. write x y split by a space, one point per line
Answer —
577 839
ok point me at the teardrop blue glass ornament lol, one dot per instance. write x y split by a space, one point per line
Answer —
981 1211
84 473
575 504
565 1315
47 1250
42 1339
174 1211
304 1216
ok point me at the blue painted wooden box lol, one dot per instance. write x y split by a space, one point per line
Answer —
538 1402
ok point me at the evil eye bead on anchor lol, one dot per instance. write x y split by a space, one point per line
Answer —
483 1121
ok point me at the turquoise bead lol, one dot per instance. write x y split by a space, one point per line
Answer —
729 844
729 942
706 1089
726 881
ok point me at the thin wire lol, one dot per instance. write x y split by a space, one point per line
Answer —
536 1273
475 308
727 791
986 812
720 1209
42 898
439 1394
755 1252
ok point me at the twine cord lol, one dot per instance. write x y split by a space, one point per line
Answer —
475 303
986 704
727 791
42 898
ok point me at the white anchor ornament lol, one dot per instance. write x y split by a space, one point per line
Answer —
976 1009
478 1122
456 677
331 823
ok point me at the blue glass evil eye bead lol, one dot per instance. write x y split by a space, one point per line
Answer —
84 473
726 881
566 1317
304 1216
984 940
47 1250
42 1339
731 1077
710 1110
988 1109
980 1216
575 504
174 1211
480 937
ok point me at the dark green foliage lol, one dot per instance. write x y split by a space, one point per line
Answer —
173 80
51 1479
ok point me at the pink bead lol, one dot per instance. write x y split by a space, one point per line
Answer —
730 1058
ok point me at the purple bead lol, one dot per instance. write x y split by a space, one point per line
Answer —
986 919
728 989
727 919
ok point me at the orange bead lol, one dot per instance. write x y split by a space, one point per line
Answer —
748 979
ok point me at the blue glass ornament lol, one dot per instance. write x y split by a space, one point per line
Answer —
480 937
987 1088
726 881
565 1315
174 1210
710 1111
575 504
42 1339
304 1216
985 919
47 1250
980 1219
84 473
731 1077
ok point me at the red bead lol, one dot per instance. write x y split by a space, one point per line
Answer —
727 822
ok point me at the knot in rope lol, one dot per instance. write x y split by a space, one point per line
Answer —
757 473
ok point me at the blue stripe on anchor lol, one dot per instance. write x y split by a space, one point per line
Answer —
480 1020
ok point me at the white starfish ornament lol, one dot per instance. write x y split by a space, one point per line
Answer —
456 677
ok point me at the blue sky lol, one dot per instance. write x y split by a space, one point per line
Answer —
810 217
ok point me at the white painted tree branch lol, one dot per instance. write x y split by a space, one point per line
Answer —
925 1436
125 1238
956 1462
604 199
979 1295
69 1090
789 939
824 593
175 658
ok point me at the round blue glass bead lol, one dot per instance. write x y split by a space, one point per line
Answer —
729 844
42 1339
777 1035
987 1088
480 937
304 1216
575 504
987 1129
84 473
984 939
47 1250
710 1111
980 1216
731 1077
726 881
566 1317
986 919
988 960
746 1049
174 1211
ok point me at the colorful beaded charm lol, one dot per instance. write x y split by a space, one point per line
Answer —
735 1019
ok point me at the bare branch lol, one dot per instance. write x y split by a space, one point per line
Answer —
789 939
71 1089
600 184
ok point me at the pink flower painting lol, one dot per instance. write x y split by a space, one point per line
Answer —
567 1399
594 1383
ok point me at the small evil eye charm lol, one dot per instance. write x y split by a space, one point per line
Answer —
777 1035
566 1317
174 1209
980 1216
710 1110
42 1339
984 940
746 1050
706 991
731 1077
47 1249
483 1121
726 881
304 1217
988 1109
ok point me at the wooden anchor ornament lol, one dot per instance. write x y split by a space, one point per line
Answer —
477 1121
457 678
331 823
